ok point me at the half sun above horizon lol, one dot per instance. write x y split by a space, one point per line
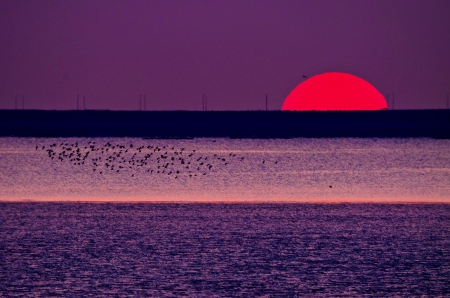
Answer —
334 91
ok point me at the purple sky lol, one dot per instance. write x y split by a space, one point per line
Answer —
234 51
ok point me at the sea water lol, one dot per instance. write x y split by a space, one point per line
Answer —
247 218
224 250
213 170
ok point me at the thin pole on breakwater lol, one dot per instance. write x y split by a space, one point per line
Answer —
393 100
15 103
204 103
448 101
78 102
142 102
84 103
23 102
387 99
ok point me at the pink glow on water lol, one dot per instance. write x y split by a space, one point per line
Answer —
296 170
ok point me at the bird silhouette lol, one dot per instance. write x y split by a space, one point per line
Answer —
139 159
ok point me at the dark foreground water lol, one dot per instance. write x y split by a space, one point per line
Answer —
224 250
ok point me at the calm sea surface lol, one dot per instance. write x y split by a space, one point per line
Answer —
252 235
122 169
226 250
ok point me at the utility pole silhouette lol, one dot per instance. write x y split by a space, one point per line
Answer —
204 103
142 102
393 100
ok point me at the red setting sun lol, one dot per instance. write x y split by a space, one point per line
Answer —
334 92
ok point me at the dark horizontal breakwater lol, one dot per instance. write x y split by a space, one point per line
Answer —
225 124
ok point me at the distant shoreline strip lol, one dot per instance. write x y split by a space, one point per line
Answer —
226 124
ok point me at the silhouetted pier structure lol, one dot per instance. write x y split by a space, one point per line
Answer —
225 124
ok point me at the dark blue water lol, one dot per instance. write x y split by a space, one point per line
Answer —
224 250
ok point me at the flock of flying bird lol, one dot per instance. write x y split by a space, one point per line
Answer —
151 159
